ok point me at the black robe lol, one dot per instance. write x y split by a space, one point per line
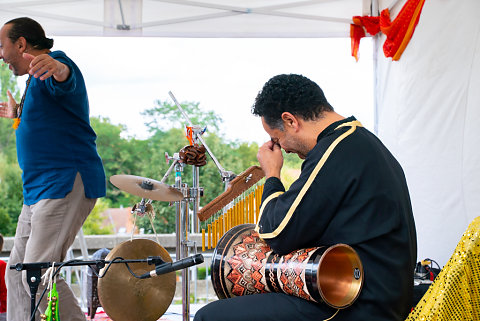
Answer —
351 190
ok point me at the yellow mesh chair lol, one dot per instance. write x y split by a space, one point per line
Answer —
455 293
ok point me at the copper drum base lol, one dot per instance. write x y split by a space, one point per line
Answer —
243 264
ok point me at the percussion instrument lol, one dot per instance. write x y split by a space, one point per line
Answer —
238 204
236 187
146 188
243 264
126 298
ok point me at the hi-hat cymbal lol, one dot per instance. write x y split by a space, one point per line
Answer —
146 188
125 297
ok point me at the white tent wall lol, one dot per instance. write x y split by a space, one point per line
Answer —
427 113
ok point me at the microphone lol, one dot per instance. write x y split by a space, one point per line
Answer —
170 267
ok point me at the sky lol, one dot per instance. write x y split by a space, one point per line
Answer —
125 76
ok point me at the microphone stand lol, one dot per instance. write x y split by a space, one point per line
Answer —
34 273
34 270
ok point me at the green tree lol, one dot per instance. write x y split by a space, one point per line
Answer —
166 115
11 196
119 155
233 156
5 222
155 166
10 174
7 134
94 222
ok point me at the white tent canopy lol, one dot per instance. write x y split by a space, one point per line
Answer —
427 103
184 18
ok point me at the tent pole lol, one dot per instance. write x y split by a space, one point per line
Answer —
393 5
375 12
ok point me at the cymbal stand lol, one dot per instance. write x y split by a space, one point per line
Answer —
191 195
182 224
141 208
227 176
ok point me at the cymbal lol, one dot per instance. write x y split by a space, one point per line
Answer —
146 188
126 298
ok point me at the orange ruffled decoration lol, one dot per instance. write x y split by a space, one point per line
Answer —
189 134
16 122
398 32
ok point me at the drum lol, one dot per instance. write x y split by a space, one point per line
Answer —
243 264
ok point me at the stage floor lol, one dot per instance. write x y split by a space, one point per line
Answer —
174 313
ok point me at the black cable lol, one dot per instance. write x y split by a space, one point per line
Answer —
438 266
431 267
106 269
108 266
32 317
420 275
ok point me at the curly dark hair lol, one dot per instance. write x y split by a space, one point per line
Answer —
291 93
31 30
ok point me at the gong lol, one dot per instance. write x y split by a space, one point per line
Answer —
125 297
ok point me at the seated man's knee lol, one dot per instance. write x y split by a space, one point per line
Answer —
209 312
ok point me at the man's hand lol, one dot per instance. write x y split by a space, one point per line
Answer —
8 109
271 159
44 66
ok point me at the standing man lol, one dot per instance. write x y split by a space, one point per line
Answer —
351 190
62 171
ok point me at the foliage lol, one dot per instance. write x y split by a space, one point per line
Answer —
7 134
119 156
94 222
289 175
146 158
127 155
202 272
292 160
8 82
10 174
5 222
11 196
291 169
166 115
232 156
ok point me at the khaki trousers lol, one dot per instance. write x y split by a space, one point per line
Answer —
44 233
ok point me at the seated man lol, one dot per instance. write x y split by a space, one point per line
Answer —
351 190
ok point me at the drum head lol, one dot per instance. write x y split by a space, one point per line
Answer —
340 276
126 298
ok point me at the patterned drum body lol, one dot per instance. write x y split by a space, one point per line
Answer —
243 264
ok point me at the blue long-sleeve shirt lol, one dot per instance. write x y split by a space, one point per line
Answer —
55 139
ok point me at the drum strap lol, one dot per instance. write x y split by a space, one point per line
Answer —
332 316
